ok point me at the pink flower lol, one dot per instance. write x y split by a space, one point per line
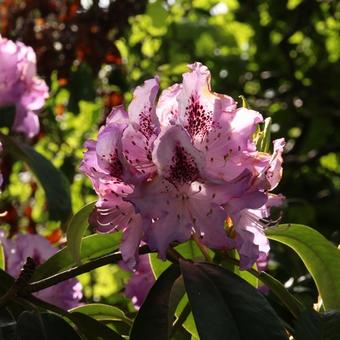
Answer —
250 239
66 294
140 282
169 169
20 86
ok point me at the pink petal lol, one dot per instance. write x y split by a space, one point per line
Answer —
175 157
137 150
167 107
141 110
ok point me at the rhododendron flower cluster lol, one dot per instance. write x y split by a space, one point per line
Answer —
179 165
20 86
66 294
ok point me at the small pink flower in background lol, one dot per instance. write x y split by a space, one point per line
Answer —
66 294
140 282
167 169
1 177
20 85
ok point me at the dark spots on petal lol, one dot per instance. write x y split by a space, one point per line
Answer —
183 168
199 121
146 127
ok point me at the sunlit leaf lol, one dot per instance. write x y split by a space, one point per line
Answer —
2 257
76 229
320 256
92 328
102 312
93 246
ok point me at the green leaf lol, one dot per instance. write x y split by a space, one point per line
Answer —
93 246
289 300
320 256
152 319
6 282
223 303
188 250
103 312
7 115
189 323
92 328
244 102
263 143
32 326
7 325
53 181
244 274
76 229
316 326
158 266
2 257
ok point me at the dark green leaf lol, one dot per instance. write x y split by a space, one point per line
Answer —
289 300
212 316
316 326
6 282
239 304
7 114
76 229
81 86
93 246
7 325
32 326
320 256
152 319
53 181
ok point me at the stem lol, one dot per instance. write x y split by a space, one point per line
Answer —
202 247
73 272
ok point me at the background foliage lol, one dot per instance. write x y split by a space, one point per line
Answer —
283 56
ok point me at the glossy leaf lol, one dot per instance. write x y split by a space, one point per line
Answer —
316 326
229 304
33 326
189 323
289 300
93 246
2 257
92 328
6 281
53 181
320 256
76 229
103 312
152 320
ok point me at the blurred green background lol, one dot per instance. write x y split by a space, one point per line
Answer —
282 56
